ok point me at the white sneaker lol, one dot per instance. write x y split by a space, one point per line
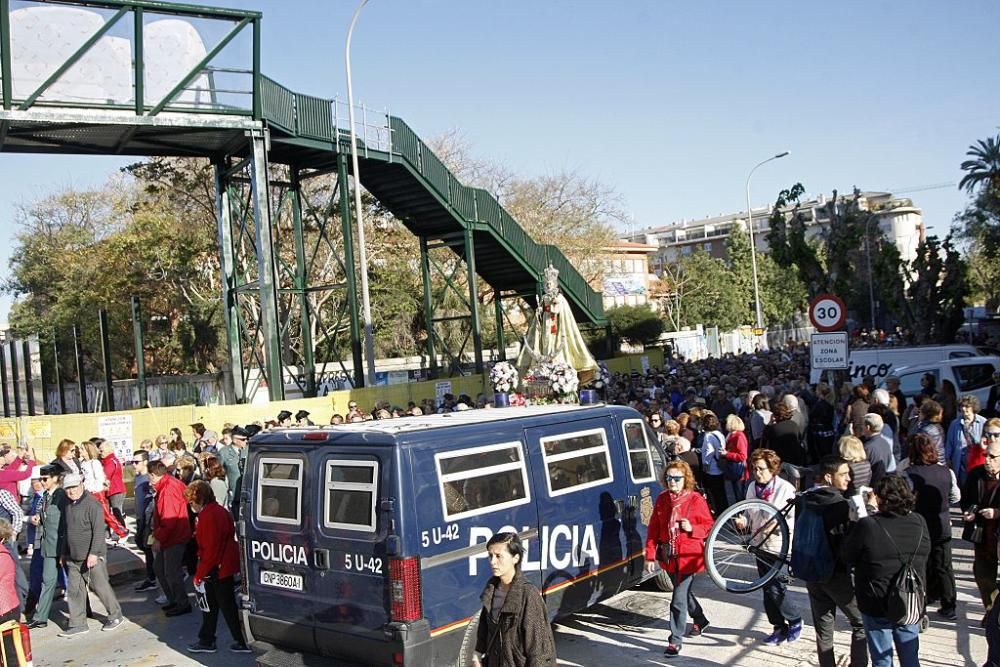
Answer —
161 600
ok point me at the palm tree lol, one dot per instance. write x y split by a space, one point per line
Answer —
984 168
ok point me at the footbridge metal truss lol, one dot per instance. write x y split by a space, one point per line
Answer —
282 185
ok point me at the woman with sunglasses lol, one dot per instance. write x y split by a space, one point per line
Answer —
676 540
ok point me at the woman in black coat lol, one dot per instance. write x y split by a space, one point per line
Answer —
514 628
935 489
877 547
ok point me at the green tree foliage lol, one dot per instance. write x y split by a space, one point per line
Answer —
837 259
638 325
782 293
979 222
77 252
935 296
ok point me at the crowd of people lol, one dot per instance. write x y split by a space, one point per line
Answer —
880 470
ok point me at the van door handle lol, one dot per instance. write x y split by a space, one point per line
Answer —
633 502
620 507
321 559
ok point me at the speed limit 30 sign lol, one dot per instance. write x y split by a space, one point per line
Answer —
827 312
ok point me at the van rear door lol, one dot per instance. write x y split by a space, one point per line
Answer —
643 462
274 521
350 568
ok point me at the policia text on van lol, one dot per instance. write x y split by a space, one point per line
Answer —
366 542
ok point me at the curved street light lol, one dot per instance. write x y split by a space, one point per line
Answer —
366 305
753 248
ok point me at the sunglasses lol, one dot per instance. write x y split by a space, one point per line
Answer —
675 478
992 434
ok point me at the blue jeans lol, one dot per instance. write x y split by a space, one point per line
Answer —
882 635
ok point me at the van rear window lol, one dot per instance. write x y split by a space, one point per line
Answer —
279 491
351 490
482 479
576 461
640 457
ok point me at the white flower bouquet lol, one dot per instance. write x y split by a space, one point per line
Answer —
503 377
562 378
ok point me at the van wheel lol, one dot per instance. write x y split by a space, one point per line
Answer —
468 648
663 582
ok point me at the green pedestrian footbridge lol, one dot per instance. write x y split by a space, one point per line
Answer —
147 78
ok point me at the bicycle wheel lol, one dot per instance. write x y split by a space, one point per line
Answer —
747 546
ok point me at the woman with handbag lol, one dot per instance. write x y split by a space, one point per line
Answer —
676 539
782 613
980 510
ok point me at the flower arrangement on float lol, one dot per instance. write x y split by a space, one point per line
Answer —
504 378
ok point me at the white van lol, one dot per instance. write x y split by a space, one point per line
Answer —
880 362
970 375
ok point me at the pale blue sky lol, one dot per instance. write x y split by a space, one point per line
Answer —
669 103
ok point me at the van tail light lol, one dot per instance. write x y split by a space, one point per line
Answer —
404 589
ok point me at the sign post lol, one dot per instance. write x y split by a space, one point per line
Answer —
828 350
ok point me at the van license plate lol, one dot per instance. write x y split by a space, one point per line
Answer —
292 582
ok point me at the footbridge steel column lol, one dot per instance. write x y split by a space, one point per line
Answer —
308 369
470 263
265 267
230 282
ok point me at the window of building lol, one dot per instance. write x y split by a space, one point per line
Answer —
351 490
576 461
279 490
482 479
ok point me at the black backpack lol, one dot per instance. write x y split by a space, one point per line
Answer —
811 559
904 602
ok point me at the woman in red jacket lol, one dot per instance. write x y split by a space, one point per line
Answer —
735 466
218 562
676 538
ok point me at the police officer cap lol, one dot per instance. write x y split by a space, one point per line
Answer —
49 471
240 432
252 430
301 414
283 415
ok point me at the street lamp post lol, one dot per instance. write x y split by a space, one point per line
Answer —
366 305
871 279
753 248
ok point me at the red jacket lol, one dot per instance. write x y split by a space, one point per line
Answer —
8 589
113 473
170 515
737 450
11 475
689 549
215 534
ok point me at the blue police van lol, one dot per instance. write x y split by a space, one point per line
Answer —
365 543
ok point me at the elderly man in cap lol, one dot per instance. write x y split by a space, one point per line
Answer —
85 554
232 458
50 538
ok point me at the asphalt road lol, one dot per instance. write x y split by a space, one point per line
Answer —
627 630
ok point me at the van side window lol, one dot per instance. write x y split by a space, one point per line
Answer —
351 489
640 458
576 461
482 479
974 376
279 491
